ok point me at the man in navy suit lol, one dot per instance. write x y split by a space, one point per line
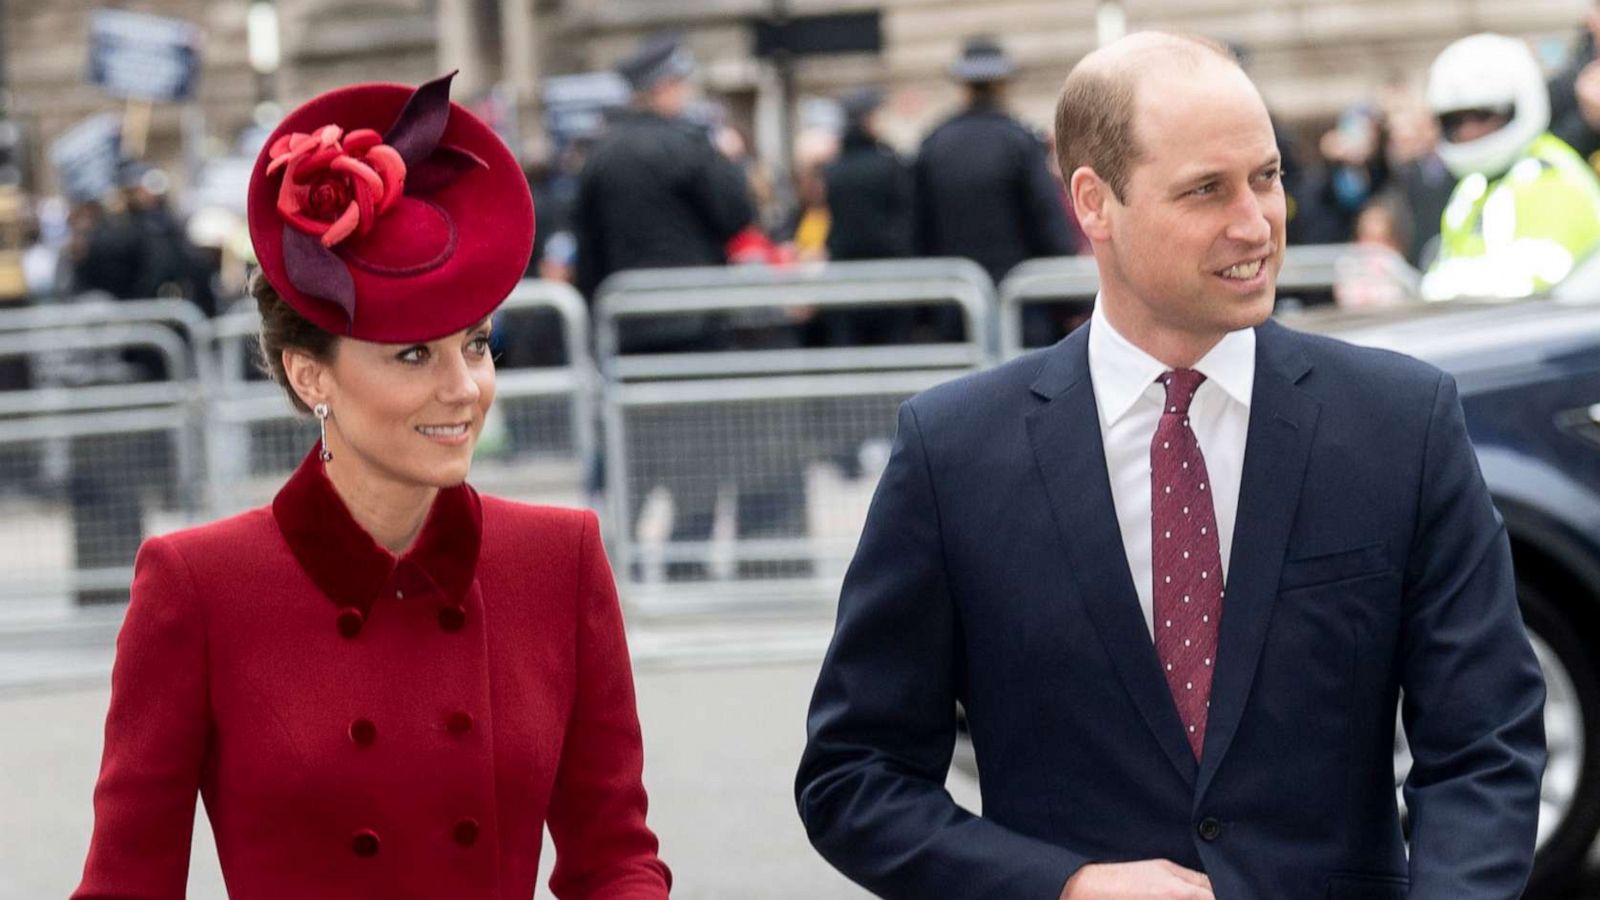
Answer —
1179 569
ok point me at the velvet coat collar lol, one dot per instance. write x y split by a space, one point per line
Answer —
352 568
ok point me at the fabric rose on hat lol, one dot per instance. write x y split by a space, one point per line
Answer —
336 184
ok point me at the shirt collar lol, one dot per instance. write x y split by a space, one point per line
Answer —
349 566
1121 372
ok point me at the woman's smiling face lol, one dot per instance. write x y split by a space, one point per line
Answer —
409 413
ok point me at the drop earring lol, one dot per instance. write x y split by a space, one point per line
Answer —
321 412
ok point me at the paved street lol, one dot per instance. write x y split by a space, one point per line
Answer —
723 733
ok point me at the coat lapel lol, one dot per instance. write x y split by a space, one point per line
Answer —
1065 436
1283 420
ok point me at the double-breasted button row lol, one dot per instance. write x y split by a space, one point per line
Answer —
351 620
365 843
363 733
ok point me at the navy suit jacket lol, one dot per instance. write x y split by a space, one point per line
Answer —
1367 561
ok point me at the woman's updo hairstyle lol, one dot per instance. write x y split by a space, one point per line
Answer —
284 329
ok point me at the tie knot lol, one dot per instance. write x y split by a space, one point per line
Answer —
1181 385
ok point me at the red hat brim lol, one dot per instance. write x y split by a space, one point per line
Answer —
440 260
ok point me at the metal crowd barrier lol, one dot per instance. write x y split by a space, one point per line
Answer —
1043 299
98 449
535 447
740 456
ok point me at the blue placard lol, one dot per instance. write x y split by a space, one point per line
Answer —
86 157
143 56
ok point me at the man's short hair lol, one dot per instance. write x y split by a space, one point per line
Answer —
1095 113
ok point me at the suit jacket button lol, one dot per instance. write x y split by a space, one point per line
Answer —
350 621
1210 829
364 843
466 832
452 618
458 723
363 732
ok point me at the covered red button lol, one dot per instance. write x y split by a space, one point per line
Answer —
363 732
452 618
458 723
364 843
350 621
466 832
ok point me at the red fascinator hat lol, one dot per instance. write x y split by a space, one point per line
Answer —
389 214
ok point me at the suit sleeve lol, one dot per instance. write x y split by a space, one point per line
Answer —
604 850
882 729
1474 694
155 739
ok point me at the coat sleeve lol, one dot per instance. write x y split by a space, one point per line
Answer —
1043 203
1474 694
719 190
155 739
882 725
924 230
592 265
604 850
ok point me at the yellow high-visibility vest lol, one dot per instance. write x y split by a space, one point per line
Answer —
1520 233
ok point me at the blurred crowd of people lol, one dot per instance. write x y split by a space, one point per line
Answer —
1482 181
133 242
669 182
661 188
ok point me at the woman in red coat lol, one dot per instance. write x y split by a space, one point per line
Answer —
384 685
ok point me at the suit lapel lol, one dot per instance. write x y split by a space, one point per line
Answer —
1065 436
1283 420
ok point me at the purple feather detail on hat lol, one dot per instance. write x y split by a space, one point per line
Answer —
441 169
314 269
417 130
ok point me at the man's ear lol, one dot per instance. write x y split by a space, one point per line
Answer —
1091 201
308 376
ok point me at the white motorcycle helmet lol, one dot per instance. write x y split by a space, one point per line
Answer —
1488 72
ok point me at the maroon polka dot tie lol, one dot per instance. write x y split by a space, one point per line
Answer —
1186 559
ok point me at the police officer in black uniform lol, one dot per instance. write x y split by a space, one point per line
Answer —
983 186
870 200
655 192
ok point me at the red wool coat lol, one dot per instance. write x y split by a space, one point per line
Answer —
362 726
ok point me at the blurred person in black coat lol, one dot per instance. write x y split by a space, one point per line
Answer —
869 188
1575 92
655 192
982 184
870 200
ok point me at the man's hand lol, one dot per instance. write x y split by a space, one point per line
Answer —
1151 879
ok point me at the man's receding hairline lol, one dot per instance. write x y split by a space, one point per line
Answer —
1123 58
1129 63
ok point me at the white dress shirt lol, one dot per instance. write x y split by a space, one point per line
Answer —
1130 400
